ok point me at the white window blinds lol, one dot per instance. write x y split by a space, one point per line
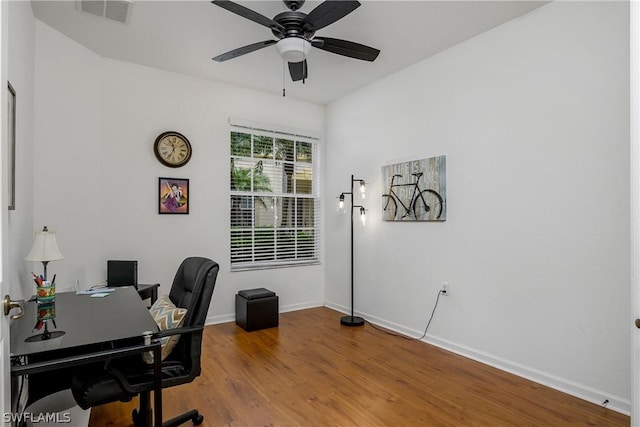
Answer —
274 199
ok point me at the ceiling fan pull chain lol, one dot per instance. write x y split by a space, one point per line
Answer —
304 62
283 78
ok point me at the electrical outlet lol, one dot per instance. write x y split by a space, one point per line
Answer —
445 288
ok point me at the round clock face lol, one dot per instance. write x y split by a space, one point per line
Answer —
172 149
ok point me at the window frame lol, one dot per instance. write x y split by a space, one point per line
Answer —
271 245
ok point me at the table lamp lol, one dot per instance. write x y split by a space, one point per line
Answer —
44 249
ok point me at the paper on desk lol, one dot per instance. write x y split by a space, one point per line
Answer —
95 291
100 294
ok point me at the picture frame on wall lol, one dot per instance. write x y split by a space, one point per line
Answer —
415 190
11 148
173 196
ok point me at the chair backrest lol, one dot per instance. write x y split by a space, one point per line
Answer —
193 289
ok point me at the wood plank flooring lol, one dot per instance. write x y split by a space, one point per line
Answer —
311 371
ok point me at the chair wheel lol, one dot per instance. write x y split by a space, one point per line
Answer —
198 420
135 415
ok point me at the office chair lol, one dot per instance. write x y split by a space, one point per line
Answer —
125 378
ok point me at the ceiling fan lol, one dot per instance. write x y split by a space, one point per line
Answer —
295 31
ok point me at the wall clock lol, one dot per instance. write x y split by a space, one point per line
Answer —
172 149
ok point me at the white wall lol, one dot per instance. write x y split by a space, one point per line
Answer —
20 68
97 121
533 117
67 155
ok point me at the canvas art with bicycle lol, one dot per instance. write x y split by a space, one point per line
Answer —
415 190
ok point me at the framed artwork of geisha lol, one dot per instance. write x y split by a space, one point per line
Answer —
173 196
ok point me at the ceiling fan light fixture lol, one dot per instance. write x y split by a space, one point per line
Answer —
293 49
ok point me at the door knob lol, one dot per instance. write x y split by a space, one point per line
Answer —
10 305
638 323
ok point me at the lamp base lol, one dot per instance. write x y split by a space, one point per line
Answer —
45 336
352 321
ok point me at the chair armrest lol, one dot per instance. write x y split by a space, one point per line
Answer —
122 380
183 330
119 377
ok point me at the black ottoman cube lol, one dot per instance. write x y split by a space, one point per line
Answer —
256 309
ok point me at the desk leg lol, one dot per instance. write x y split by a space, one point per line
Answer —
157 392
154 294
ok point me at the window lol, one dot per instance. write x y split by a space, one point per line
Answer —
274 199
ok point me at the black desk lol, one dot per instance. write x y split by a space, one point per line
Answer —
146 291
119 319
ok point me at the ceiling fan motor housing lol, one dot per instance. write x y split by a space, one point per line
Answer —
293 23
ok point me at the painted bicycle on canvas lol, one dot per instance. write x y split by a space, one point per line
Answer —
424 204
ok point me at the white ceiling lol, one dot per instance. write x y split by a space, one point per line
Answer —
183 36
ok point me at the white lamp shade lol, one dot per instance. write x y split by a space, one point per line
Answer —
45 247
293 49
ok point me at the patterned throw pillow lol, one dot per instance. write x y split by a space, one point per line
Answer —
167 316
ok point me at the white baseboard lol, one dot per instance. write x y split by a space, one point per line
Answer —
304 306
231 317
221 318
616 403
581 391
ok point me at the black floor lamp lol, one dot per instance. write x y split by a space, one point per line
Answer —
353 320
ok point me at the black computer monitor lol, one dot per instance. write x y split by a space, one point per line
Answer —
122 273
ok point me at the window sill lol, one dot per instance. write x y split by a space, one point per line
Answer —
272 266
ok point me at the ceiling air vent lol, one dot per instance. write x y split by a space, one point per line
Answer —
116 10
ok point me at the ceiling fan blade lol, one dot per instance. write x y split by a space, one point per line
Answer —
329 12
243 50
249 14
298 70
346 48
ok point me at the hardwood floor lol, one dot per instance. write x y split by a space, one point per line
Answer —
313 371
